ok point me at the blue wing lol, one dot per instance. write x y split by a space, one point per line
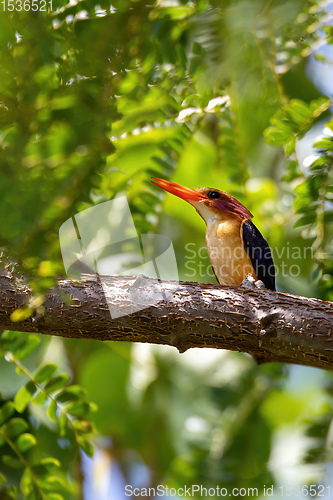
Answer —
259 252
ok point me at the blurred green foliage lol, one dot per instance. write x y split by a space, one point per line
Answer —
95 98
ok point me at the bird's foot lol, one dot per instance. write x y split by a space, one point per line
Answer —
250 282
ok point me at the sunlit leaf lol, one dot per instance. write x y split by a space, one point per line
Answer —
2 440
53 496
21 314
52 411
78 408
83 426
6 411
52 483
40 398
26 441
86 446
24 396
14 427
22 352
298 111
2 480
13 462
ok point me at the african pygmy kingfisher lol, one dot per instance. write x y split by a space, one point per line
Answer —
235 246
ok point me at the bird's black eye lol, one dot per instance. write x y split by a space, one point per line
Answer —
214 195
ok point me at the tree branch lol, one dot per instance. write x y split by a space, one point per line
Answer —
272 326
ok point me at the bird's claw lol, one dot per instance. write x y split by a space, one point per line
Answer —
250 282
259 284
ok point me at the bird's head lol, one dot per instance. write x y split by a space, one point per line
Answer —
212 204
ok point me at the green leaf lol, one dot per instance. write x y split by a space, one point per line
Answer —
40 398
78 408
293 121
320 105
324 143
57 383
48 465
292 172
6 411
53 496
45 372
86 446
23 351
21 314
13 462
319 165
63 101
276 137
14 427
62 424
305 220
2 480
52 411
71 393
52 483
26 441
298 111
11 340
328 217
83 426
10 493
26 483
290 145
23 396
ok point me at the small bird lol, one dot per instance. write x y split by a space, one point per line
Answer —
236 248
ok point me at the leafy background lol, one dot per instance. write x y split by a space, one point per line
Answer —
95 98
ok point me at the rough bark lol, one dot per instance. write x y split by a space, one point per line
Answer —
272 326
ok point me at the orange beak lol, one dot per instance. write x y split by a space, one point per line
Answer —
182 192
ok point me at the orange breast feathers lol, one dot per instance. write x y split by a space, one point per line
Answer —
229 260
